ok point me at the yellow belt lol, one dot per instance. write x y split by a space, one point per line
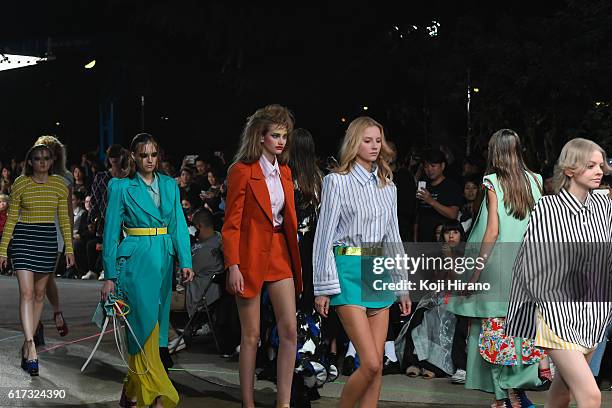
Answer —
146 231
357 251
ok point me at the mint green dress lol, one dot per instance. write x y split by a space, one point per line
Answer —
482 375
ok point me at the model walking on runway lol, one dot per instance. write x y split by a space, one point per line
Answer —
146 207
260 243
37 196
562 287
358 210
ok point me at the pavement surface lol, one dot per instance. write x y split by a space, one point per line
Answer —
202 378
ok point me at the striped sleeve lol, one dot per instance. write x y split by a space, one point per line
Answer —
62 211
13 213
393 242
325 275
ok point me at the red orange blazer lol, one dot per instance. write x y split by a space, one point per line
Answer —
248 228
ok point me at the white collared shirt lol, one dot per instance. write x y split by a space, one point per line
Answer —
271 173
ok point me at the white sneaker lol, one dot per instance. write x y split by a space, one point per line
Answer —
90 275
458 377
175 345
101 276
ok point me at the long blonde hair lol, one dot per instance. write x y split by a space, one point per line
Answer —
59 154
575 157
257 125
506 161
350 146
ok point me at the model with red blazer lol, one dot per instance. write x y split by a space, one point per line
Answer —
260 243
248 229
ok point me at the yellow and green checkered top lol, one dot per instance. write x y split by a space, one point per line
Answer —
37 203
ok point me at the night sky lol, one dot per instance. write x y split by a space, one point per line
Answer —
204 66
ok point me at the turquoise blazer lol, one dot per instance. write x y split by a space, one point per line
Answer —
142 266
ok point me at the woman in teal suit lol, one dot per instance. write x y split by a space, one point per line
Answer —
146 207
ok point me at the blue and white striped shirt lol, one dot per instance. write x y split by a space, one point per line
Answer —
355 211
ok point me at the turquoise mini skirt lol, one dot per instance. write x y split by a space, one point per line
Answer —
359 285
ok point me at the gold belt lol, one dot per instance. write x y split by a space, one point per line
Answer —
357 251
146 231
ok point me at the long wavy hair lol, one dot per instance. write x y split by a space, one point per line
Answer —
258 124
350 146
137 145
575 157
59 154
303 164
506 161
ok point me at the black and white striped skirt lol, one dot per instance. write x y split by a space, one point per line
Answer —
34 247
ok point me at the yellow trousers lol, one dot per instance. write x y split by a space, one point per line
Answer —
155 382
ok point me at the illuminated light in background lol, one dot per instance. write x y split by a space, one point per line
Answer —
365 108
476 90
432 30
90 64
343 120
12 61
57 124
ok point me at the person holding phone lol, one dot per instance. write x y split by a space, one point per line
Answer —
439 198
260 243
146 207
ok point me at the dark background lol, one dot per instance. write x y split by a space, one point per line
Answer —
542 68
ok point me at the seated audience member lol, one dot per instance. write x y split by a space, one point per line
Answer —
439 201
606 182
81 184
468 210
547 176
473 167
212 196
82 232
168 168
202 167
207 258
188 188
431 343
4 201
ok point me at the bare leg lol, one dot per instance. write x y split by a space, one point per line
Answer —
26 302
573 377
40 285
31 298
378 326
248 310
52 292
282 295
365 381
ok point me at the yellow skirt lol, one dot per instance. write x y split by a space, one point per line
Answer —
547 338
145 387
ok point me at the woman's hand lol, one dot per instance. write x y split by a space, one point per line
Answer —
69 260
108 287
322 305
235 281
3 262
187 274
405 304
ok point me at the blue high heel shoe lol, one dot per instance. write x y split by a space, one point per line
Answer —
32 367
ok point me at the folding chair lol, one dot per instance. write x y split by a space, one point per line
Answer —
202 306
